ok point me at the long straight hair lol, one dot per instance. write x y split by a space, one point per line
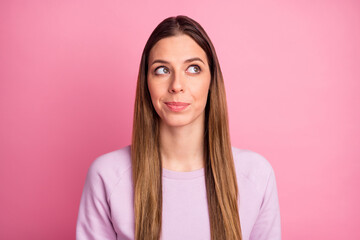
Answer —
220 176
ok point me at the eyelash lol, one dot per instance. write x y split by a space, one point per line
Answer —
168 69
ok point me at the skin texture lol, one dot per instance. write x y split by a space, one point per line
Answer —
181 133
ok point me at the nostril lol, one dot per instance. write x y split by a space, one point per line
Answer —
174 89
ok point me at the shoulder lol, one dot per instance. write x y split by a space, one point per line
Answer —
107 169
119 159
252 166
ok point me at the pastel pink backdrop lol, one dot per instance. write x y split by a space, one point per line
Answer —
68 72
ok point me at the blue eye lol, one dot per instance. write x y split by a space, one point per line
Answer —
195 69
161 70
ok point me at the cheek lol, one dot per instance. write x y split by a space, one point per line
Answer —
151 92
155 93
154 98
202 90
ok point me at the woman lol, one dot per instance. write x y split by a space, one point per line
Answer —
180 178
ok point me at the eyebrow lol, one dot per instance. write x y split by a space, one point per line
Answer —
186 61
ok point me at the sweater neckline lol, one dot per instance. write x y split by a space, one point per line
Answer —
183 175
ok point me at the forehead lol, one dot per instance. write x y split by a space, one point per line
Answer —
176 48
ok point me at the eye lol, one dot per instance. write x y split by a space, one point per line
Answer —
161 70
194 69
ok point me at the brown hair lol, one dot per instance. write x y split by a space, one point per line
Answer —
220 176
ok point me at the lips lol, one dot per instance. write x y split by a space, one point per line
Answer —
177 103
177 106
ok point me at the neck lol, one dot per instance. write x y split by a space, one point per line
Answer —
182 148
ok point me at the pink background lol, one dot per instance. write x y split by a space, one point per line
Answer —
68 72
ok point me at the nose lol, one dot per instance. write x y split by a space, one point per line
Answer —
177 83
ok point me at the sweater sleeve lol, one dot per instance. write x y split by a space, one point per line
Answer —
94 219
267 225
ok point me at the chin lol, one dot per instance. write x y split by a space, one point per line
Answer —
176 122
180 121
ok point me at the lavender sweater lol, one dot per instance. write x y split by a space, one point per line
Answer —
106 205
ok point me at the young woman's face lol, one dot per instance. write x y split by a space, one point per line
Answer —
178 80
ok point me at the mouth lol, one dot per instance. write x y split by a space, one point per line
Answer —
177 106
